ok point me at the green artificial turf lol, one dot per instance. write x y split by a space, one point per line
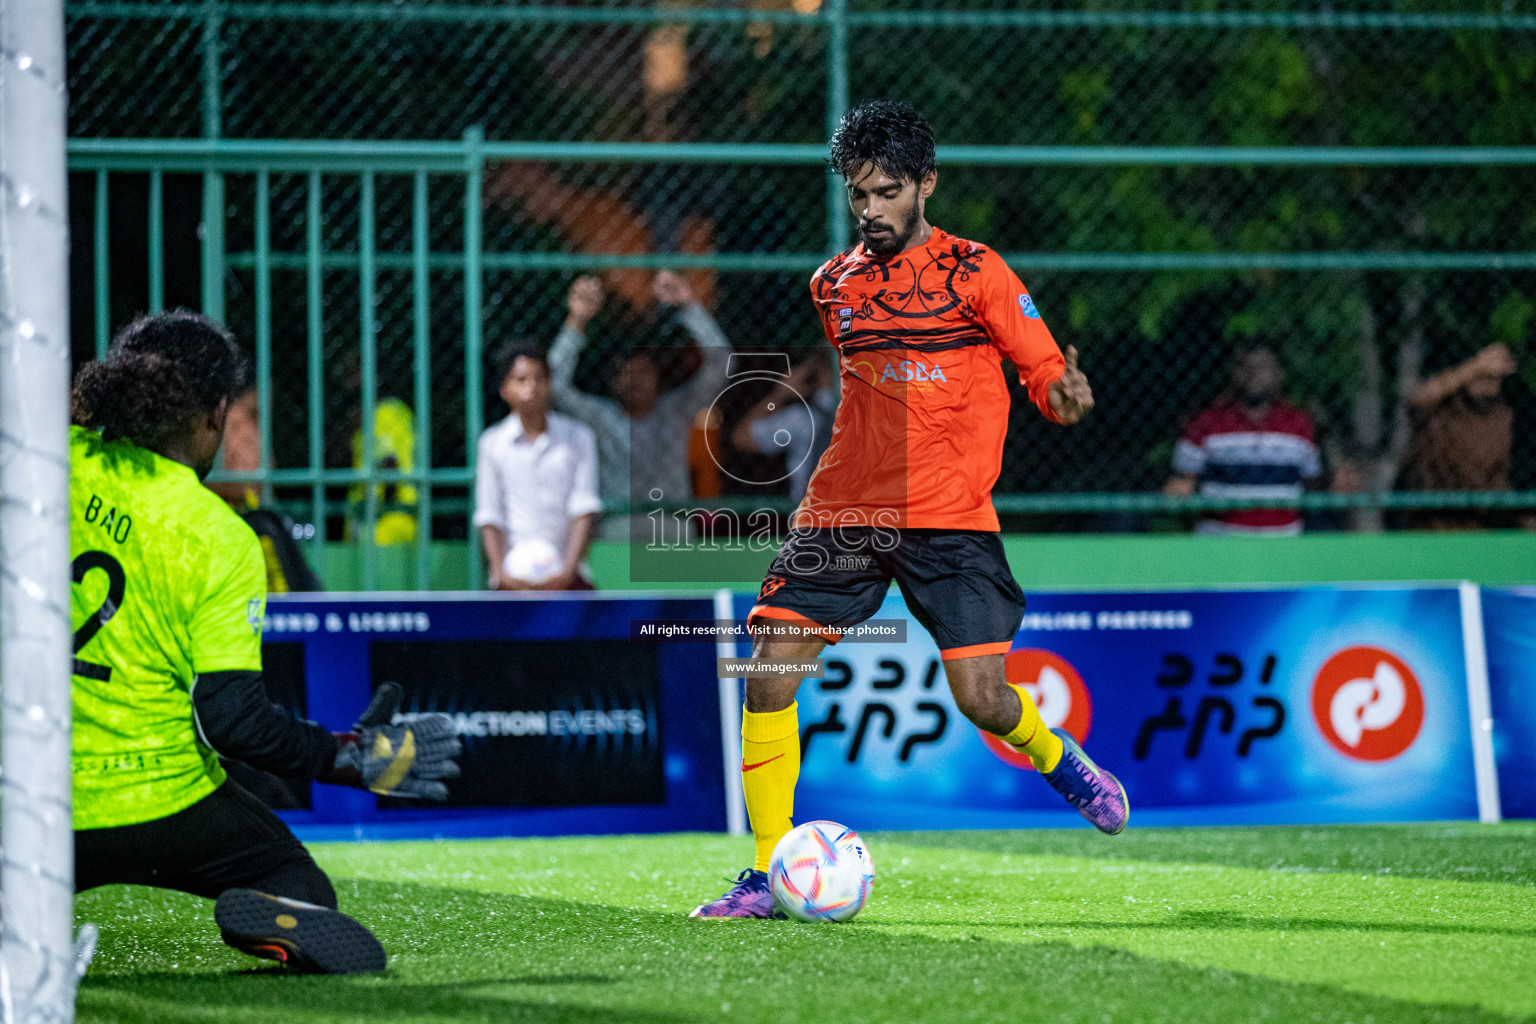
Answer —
1361 924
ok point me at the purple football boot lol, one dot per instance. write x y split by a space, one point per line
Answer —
1097 795
751 896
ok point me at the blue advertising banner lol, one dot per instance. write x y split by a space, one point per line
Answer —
568 726
1244 706
1509 620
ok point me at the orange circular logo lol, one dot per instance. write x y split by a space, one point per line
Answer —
1367 703
1058 691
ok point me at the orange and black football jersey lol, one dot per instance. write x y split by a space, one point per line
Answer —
918 438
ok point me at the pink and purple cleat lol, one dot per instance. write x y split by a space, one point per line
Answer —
1097 795
751 896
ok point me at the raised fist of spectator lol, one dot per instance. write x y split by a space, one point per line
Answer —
671 290
1496 361
583 301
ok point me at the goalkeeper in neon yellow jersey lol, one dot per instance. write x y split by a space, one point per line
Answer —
168 597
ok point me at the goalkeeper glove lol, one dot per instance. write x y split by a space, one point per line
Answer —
408 760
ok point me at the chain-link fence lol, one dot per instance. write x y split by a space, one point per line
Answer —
1345 182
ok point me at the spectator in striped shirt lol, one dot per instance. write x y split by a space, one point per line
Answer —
1252 444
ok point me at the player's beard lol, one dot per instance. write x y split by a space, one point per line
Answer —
885 246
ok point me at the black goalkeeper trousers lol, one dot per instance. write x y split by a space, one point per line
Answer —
227 840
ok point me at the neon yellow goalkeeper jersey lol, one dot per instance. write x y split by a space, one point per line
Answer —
168 583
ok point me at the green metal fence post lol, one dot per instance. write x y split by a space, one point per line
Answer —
156 240
213 244
213 180
264 328
474 179
101 242
338 155
370 373
837 106
213 92
315 296
422 315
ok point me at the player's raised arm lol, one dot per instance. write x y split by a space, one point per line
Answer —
1057 387
672 291
237 720
581 304
1071 397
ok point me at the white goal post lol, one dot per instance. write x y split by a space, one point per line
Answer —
37 962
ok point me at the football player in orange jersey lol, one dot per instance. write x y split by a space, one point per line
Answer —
922 321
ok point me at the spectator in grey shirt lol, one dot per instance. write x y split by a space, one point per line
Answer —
642 437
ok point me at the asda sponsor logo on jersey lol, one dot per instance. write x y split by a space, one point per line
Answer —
897 373
910 370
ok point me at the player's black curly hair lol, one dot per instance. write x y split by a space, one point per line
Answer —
160 374
891 135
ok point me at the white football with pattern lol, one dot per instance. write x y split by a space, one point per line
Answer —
821 871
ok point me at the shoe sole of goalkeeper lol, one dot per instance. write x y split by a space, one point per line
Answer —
305 937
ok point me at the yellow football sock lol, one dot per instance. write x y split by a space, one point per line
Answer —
1032 737
770 766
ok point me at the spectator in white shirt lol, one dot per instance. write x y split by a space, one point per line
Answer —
536 497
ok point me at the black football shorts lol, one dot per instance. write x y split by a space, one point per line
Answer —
227 840
956 582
